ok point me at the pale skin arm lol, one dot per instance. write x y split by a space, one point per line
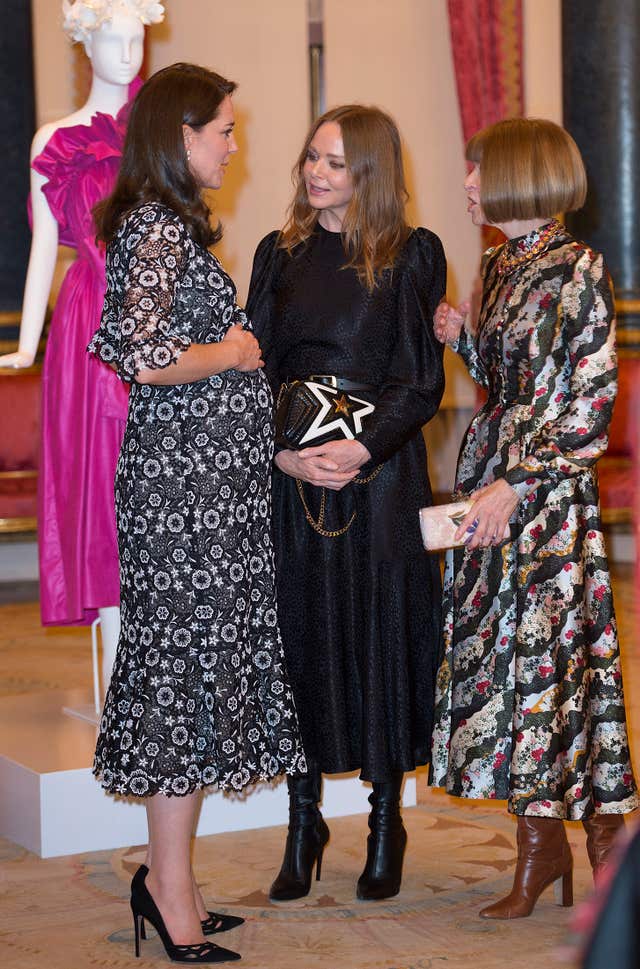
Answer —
42 262
332 465
238 350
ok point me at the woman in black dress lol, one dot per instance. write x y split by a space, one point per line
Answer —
346 293
199 694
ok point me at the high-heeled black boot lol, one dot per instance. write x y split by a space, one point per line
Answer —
306 838
385 845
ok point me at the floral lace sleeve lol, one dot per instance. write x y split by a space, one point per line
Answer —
137 329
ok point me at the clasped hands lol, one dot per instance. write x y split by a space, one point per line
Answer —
487 519
332 465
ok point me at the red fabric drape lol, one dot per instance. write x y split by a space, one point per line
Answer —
486 39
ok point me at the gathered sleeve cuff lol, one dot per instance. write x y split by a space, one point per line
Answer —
466 346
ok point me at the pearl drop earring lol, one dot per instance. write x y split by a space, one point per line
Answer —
188 154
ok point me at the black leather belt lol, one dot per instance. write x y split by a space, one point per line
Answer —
341 383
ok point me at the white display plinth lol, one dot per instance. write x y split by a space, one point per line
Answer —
51 804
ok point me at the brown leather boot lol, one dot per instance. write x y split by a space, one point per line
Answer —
601 833
544 856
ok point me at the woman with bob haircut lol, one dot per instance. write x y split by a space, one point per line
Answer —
199 693
345 295
529 702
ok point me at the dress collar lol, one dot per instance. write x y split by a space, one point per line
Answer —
523 249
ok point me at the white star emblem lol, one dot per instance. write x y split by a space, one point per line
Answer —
348 428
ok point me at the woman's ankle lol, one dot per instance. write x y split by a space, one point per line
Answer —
199 901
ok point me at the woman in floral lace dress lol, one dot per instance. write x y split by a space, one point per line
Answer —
199 693
530 705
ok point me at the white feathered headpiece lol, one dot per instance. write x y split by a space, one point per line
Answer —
82 17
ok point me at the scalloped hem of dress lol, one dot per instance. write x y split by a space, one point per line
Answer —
120 787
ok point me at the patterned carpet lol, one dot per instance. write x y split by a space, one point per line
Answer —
73 913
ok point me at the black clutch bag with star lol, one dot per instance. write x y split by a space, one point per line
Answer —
320 409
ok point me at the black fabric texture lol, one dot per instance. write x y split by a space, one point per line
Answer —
360 614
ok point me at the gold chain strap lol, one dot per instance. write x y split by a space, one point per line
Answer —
370 477
318 525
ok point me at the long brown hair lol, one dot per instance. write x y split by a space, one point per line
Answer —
374 227
154 163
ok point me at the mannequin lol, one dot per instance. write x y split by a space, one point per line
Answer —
112 32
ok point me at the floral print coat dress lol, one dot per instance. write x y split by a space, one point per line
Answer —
529 698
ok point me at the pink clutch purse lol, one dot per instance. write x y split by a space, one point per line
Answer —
439 523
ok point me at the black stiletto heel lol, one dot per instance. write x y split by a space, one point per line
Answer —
143 907
138 928
214 923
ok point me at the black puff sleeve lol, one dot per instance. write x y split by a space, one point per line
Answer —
414 384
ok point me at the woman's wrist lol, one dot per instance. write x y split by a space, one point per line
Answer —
228 354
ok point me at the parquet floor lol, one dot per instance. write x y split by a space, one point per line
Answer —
72 913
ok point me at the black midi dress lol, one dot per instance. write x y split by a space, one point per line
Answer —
360 614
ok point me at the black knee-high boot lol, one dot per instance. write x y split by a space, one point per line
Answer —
306 838
385 845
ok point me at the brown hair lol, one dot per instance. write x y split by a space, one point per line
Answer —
374 227
154 163
530 168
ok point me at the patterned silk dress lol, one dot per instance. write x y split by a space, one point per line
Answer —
199 693
529 704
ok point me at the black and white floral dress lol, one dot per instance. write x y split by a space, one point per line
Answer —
199 693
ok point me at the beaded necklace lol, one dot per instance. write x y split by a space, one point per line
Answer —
507 261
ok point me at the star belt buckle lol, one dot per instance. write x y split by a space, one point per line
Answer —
338 412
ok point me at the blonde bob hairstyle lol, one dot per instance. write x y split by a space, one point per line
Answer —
529 168
374 227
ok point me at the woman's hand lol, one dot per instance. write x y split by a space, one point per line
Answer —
448 322
332 465
489 515
247 348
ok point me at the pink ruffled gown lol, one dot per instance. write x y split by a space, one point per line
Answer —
84 404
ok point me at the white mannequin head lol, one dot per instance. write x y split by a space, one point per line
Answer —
82 18
116 48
